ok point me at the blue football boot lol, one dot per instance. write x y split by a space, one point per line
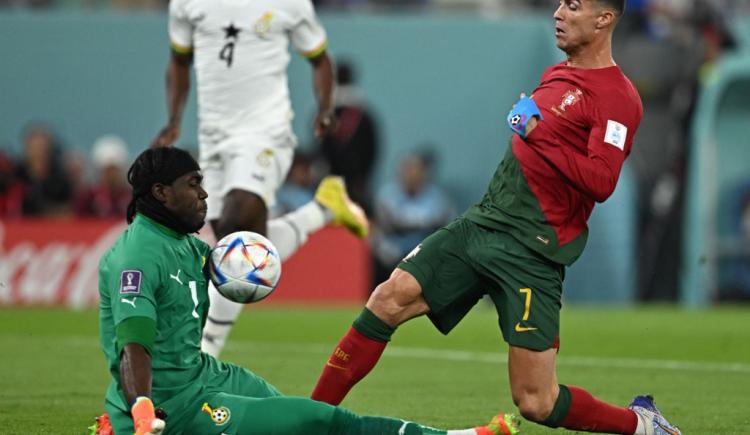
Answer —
650 416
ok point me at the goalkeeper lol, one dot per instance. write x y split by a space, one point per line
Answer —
153 305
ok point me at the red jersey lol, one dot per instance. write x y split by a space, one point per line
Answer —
545 188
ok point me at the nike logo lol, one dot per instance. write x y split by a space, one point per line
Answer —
131 302
335 366
177 277
520 328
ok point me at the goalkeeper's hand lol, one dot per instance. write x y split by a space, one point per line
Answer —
144 418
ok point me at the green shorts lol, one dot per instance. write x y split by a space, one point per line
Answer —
223 388
462 262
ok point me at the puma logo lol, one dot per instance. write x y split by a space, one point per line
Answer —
131 302
177 277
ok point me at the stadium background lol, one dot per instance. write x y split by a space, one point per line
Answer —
440 72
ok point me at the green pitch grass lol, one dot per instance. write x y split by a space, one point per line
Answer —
696 363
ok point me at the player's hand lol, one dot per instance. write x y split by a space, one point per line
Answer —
325 121
166 136
144 418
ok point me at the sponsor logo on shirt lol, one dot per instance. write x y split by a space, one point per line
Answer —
130 282
617 134
569 99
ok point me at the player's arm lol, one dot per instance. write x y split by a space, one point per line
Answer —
135 338
309 38
595 173
177 89
323 80
181 30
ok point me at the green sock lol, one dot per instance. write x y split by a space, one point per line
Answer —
369 325
346 422
561 408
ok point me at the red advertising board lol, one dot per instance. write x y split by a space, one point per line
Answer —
55 262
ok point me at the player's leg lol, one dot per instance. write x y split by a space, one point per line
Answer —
432 279
527 294
241 184
232 414
540 399
236 202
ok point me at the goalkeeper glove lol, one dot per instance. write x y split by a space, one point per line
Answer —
144 418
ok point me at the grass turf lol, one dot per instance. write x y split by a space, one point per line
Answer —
696 363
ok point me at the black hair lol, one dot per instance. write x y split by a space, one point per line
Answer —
156 165
617 5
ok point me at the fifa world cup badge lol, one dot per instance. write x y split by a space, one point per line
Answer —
219 416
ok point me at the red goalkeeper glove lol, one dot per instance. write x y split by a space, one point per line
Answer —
144 418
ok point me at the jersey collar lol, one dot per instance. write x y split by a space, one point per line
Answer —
140 218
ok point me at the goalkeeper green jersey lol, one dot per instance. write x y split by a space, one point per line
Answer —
152 271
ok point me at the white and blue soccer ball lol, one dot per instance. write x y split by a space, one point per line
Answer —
245 267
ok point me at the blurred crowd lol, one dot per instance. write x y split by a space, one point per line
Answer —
656 7
49 180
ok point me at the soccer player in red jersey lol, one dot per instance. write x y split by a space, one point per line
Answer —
574 133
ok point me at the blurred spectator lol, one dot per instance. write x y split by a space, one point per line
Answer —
351 148
11 190
688 38
299 188
46 187
76 167
109 196
407 211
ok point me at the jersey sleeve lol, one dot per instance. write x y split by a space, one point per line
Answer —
180 27
610 139
308 35
132 285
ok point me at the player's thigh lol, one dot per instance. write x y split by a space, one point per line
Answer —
449 284
254 164
525 288
233 379
232 414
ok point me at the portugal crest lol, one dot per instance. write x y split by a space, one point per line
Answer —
219 415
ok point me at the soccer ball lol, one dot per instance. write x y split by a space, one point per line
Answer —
245 267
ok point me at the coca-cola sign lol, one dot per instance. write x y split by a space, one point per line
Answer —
45 262
56 262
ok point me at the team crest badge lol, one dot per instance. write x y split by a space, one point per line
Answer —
264 157
263 25
570 98
219 416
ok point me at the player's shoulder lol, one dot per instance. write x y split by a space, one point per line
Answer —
622 89
293 7
139 243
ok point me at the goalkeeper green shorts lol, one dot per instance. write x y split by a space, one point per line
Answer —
186 413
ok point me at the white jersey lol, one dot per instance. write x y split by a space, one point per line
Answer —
241 54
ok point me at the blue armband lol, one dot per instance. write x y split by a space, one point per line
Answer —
521 113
